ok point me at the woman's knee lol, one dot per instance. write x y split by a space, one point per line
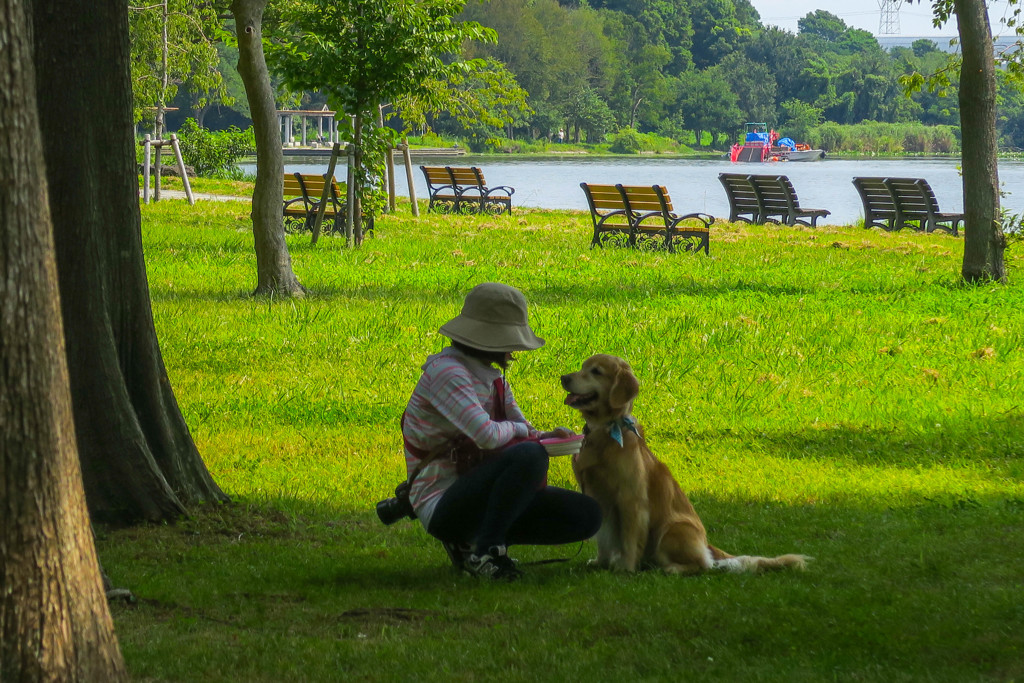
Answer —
590 514
530 458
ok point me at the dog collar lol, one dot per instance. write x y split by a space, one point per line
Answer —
615 428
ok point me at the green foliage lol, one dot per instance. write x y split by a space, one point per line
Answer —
798 118
585 111
193 61
706 103
501 73
754 85
483 102
874 137
629 141
212 153
428 139
363 54
376 142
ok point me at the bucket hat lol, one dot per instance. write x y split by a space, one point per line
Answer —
493 318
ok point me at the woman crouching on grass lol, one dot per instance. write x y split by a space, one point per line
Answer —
461 406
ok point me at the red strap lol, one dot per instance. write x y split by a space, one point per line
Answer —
498 415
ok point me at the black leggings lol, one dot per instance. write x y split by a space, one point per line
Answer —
504 501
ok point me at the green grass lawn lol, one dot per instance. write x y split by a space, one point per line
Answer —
834 392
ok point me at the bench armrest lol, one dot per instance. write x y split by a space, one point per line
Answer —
705 218
600 218
639 218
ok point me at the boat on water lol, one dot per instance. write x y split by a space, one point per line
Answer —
763 145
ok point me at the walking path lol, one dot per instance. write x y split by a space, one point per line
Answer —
180 194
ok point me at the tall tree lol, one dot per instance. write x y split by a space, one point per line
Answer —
54 620
274 274
706 103
363 53
138 458
984 242
173 44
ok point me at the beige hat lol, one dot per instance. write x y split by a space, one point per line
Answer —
493 318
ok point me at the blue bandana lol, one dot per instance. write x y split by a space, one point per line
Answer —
615 428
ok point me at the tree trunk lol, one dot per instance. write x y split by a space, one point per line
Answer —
54 620
138 459
199 114
273 262
984 241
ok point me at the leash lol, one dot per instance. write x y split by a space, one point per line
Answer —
555 560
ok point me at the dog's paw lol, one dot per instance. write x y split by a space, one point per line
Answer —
620 564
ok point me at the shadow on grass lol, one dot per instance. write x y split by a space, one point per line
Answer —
996 440
896 594
621 292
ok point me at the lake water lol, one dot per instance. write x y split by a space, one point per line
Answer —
693 184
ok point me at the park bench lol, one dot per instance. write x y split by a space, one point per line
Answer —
453 189
302 195
296 204
879 206
743 204
918 208
644 211
778 202
608 211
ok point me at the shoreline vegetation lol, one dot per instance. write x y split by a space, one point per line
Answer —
867 138
835 392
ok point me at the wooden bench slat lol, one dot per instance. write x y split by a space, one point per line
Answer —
917 207
743 204
456 189
779 203
895 203
643 210
879 207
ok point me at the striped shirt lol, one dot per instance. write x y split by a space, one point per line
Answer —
452 397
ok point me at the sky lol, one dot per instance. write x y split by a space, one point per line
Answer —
914 19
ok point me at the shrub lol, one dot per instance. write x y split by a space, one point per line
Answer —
214 154
627 141
631 141
875 137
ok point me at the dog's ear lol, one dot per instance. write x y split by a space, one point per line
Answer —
624 389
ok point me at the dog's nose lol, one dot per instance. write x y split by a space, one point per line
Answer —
565 381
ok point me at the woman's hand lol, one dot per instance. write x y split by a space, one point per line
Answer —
558 433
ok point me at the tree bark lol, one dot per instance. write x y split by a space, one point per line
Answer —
54 620
274 275
984 242
137 456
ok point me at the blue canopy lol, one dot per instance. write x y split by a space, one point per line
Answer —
786 142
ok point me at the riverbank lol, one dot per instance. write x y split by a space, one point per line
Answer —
554 182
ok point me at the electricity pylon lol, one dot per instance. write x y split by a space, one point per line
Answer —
889 22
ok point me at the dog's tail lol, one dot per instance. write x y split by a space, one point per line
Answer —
739 564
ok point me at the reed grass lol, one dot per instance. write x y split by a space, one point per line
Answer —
835 392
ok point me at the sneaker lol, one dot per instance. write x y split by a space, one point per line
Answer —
495 564
458 553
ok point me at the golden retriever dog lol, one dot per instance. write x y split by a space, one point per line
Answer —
648 520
